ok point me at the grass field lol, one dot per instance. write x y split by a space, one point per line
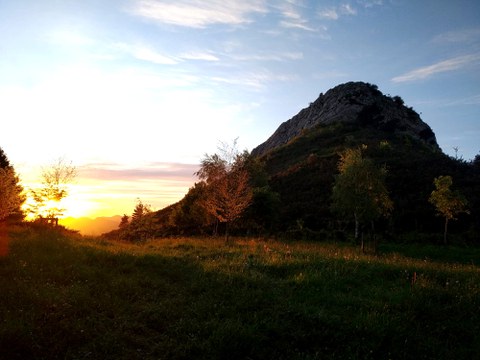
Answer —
66 297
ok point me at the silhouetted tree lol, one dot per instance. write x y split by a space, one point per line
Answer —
11 192
124 221
55 179
359 191
190 216
448 203
141 226
4 163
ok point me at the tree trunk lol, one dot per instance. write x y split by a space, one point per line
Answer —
356 226
4 240
445 232
362 244
374 239
226 233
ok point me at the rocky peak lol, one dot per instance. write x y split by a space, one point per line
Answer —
353 102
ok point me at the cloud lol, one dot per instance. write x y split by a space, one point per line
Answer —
293 17
152 171
285 56
330 14
296 24
203 56
370 3
442 66
458 36
334 13
195 14
146 53
347 9
255 80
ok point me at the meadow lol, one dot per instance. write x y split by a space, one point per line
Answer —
69 297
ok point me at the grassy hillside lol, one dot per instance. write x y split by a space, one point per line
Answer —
77 298
303 172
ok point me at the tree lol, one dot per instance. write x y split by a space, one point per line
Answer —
229 192
11 192
360 190
448 203
141 226
55 180
124 221
190 216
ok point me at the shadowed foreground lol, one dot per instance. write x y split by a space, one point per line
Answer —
75 298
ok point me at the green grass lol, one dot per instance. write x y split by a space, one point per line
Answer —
79 298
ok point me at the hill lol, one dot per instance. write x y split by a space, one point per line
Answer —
89 226
302 155
293 172
352 103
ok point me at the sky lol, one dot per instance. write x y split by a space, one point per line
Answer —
135 92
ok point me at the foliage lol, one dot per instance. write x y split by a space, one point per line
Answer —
228 191
448 203
55 180
73 298
360 190
189 216
141 226
124 221
4 162
11 192
305 187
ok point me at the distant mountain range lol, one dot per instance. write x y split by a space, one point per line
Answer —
89 226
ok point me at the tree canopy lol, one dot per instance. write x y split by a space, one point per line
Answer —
360 190
448 203
229 192
11 192
55 180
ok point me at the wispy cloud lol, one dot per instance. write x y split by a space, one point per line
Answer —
197 14
293 18
334 13
198 55
469 100
256 80
328 13
146 53
370 3
440 67
458 36
151 171
285 56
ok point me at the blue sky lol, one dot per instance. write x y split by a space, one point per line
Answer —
135 92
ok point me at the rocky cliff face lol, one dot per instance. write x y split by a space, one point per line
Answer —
353 102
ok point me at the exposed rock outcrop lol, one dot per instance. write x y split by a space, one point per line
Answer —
349 103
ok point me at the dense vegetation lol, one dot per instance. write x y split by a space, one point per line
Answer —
293 186
67 297
303 173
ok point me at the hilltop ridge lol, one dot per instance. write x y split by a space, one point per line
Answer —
349 103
